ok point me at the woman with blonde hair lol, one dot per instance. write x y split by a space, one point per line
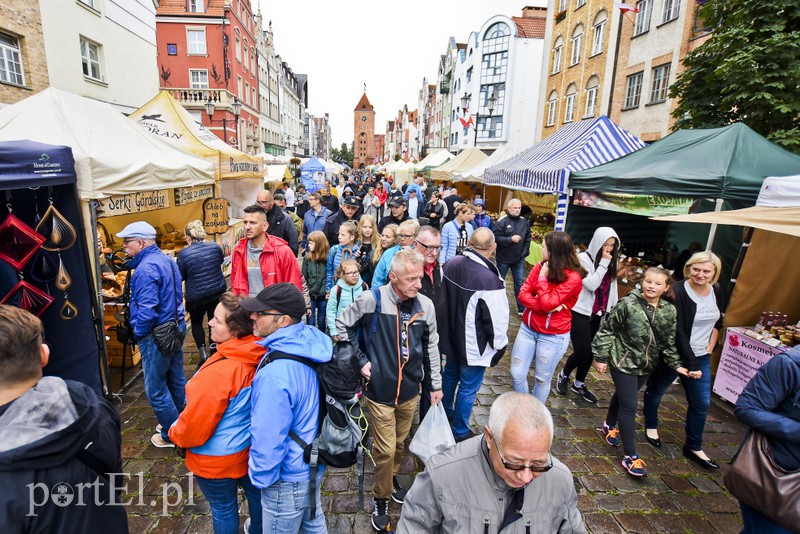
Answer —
698 300
346 249
368 242
314 269
388 239
457 232
200 265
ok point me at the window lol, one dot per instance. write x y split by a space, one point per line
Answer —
10 63
552 103
239 87
591 96
577 41
579 3
89 3
599 29
238 46
198 79
469 74
633 90
562 5
660 87
90 57
246 49
246 93
196 41
196 6
569 104
672 8
642 24
557 49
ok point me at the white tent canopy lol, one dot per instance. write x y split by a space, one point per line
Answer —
113 156
780 192
475 174
434 159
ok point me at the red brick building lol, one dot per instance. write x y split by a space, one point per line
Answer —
379 146
207 52
363 133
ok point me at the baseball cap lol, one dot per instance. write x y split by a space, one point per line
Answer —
479 202
397 201
282 297
138 229
351 201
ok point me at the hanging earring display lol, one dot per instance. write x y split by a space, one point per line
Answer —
18 241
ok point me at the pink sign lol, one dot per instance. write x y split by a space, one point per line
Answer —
741 358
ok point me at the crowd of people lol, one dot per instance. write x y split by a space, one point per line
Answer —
414 280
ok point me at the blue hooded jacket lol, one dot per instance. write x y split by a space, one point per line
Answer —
285 396
155 291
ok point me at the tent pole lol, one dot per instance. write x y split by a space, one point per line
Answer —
737 266
105 373
713 231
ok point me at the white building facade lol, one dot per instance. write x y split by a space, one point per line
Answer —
102 49
268 90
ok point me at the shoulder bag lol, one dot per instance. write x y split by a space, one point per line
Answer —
168 336
755 479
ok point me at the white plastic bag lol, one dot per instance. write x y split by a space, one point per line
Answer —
433 435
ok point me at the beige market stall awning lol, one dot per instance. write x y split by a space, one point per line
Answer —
466 159
780 220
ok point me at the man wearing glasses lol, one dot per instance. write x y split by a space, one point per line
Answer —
504 481
156 297
429 244
475 326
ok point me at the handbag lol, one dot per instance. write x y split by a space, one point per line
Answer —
168 336
755 479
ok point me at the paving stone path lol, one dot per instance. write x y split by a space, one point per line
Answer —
677 496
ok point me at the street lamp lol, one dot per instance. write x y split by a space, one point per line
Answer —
237 109
490 104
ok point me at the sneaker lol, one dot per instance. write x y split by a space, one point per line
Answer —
380 515
467 436
399 492
561 384
158 427
584 392
247 526
634 466
160 442
611 435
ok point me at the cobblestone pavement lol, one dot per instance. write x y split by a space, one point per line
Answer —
677 496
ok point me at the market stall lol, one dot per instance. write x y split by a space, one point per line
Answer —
123 173
434 159
690 170
547 166
466 159
313 174
763 294
44 257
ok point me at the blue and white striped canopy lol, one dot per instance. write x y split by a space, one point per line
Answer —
545 167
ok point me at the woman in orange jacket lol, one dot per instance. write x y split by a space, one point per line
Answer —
549 294
214 428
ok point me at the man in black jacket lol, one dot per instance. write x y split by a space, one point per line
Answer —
450 201
513 237
475 327
59 442
429 243
280 224
346 213
397 204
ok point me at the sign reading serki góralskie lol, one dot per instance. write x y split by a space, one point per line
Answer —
215 215
139 202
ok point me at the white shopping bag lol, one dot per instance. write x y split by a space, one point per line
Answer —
433 435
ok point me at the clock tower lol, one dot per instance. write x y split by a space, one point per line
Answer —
363 133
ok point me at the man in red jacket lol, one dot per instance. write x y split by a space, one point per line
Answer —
260 259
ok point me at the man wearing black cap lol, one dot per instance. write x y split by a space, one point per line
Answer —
397 205
346 213
285 398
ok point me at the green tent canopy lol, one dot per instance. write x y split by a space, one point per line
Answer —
720 163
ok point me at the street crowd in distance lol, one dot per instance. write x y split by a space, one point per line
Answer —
371 302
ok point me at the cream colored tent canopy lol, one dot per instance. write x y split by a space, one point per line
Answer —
164 117
780 220
466 159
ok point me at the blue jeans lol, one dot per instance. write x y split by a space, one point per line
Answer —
518 273
546 350
286 507
222 495
757 523
318 307
468 378
698 397
164 382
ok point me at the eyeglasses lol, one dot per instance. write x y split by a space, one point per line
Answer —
351 273
428 248
128 241
518 467
405 236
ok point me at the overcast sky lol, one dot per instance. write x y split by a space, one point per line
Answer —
398 43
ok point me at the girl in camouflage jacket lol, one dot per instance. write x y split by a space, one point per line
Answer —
639 331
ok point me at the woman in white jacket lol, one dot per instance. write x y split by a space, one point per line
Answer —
598 296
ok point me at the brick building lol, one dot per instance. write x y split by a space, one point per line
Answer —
24 69
363 133
207 52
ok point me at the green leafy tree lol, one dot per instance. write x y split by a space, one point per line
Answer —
748 70
343 154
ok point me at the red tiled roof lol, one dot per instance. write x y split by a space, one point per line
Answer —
364 103
530 27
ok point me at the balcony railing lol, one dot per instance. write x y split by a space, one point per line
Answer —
198 97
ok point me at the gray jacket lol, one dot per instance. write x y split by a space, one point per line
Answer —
459 492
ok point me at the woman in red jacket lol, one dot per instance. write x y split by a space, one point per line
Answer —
549 294
383 196
214 428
